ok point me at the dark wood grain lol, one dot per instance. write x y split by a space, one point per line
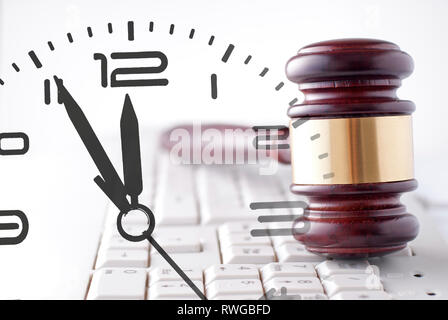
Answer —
357 220
353 78
350 77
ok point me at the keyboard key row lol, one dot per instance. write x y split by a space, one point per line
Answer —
181 187
189 246
246 281
239 246
196 246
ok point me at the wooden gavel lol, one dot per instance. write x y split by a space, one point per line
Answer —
351 147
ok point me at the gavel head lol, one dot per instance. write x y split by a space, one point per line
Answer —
351 147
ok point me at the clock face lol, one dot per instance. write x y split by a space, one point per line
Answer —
72 97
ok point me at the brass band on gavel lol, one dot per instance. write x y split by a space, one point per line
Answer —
352 150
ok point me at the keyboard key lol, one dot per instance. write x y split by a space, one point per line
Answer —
169 274
117 284
294 285
231 271
356 282
228 240
288 270
122 258
234 287
208 255
173 290
296 253
222 204
185 243
175 199
332 267
248 254
279 241
263 188
361 295
241 228
117 242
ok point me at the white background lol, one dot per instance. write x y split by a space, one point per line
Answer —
271 31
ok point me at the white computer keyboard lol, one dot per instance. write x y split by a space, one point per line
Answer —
204 222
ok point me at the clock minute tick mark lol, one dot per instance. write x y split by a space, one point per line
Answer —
263 72
16 67
328 175
35 59
228 52
131 30
293 101
191 35
47 97
299 122
214 86
70 37
47 92
279 86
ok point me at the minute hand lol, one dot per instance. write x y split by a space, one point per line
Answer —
111 183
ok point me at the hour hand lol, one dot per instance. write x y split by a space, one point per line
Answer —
130 147
109 182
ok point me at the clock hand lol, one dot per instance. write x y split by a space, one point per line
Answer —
130 148
176 268
114 193
110 183
132 169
